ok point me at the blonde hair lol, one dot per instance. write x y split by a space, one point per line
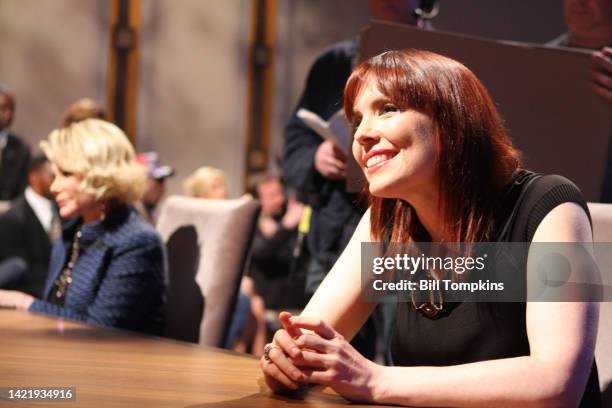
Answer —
101 153
200 183
82 109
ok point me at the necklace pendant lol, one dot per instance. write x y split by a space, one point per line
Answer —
429 310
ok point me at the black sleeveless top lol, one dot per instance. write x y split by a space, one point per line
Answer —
471 332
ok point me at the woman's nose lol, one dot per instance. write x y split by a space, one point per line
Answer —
55 186
365 134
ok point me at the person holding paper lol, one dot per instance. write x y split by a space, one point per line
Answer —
440 167
590 26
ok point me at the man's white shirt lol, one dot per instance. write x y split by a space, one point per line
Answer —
42 207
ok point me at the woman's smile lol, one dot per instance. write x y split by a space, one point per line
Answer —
376 159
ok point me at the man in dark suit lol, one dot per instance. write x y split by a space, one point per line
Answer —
14 152
28 229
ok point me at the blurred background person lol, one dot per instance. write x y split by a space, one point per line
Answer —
155 191
84 108
14 152
109 267
589 25
206 182
30 227
274 252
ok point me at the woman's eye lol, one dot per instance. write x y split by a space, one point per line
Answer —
389 107
356 123
64 173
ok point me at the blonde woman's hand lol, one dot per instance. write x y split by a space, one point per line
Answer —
333 362
15 300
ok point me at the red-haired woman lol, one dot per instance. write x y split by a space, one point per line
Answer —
440 167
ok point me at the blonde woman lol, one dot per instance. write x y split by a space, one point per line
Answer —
109 266
206 182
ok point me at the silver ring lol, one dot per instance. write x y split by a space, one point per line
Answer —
267 349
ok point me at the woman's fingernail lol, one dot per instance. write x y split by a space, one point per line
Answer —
295 352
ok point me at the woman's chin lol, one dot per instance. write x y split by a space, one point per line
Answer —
67 213
381 191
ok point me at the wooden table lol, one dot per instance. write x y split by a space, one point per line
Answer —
116 368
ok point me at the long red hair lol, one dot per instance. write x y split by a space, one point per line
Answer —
475 156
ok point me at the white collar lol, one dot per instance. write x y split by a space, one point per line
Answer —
42 207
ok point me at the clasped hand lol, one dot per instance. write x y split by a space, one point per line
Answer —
320 355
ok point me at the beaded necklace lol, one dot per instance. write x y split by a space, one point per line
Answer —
65 278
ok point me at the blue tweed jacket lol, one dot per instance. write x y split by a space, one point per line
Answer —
120 276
